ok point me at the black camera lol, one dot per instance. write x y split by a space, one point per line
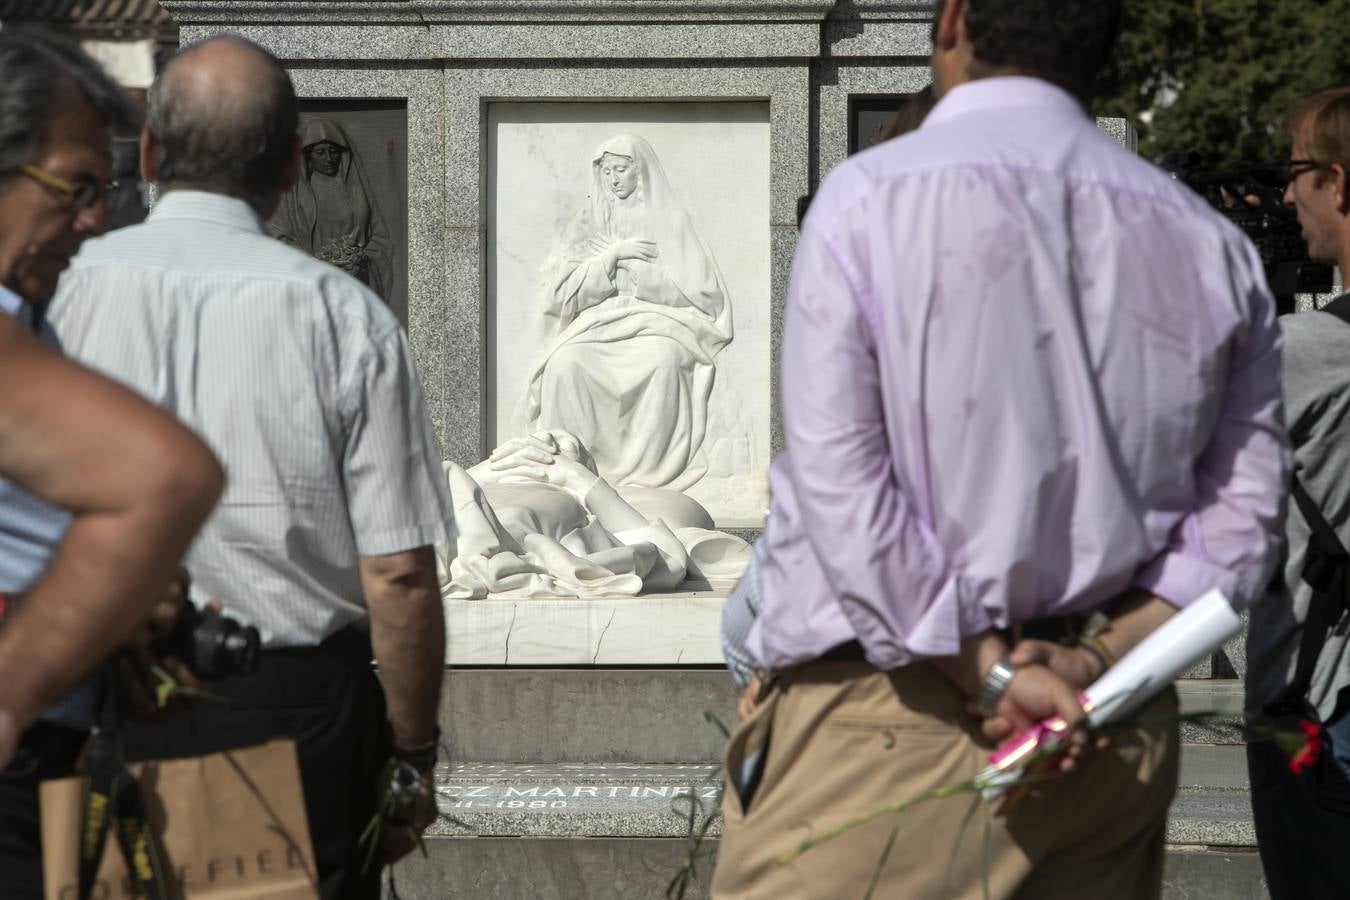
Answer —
212 644
1251 196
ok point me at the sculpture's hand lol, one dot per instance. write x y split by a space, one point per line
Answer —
532 461
568 445
634 248
542 441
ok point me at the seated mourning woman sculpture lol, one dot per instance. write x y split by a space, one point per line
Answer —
535 519
642 313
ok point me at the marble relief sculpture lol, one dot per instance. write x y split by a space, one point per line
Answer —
642 312
330 213
537 520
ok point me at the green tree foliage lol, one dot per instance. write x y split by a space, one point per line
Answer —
1220 76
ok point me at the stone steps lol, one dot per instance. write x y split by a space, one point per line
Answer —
642 715
621 831
487 800
586 775
525 868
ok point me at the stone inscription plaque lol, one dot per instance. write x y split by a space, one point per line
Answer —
349 206
638 800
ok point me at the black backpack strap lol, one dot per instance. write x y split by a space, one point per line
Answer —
1325 570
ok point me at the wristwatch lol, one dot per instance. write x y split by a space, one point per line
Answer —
996 682
423 757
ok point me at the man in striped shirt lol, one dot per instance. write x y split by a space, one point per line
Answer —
302 382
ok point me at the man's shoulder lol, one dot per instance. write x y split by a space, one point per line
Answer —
1073 151
1315 333
222 258
1315 359
197 245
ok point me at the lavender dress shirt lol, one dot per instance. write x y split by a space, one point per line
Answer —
1023 370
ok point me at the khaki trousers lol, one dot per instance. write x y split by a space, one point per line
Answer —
843 739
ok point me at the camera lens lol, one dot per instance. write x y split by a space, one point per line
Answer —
241 648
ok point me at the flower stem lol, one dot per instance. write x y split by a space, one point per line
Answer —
951 790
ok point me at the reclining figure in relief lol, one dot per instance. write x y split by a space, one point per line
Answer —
536 520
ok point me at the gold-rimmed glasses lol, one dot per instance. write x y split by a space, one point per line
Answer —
80 194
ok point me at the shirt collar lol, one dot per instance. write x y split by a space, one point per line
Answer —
207 207
11 304
1000 93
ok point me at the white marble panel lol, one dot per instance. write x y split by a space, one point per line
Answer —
670 629
716 158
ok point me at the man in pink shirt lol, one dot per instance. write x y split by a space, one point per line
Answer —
1026 377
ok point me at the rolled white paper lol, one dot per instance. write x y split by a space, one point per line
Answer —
1158 660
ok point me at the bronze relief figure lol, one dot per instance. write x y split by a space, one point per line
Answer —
330 213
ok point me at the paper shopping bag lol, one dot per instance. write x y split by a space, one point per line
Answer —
228 826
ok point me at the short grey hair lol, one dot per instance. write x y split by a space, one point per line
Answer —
39 76
234 141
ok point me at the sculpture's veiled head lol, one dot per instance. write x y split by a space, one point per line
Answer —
624 168
325 145
325 157
619 174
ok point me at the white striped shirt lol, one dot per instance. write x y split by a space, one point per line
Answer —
299 379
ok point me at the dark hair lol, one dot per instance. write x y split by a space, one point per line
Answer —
910 115
1063 41
235 140
40 76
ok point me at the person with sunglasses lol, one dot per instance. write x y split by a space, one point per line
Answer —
1298 648
100 493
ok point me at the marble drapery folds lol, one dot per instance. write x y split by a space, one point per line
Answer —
522 535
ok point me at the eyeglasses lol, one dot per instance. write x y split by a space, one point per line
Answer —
1296 167
81 195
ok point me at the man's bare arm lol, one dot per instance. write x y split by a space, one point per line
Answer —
407 633
139 485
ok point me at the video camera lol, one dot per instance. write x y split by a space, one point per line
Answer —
1251 196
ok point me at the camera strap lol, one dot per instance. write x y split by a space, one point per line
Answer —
1326 570
111 798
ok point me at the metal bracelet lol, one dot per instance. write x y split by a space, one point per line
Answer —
1097 648
996 682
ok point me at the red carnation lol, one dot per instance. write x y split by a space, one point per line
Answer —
1310 745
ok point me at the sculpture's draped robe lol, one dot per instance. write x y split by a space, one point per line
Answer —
538 541
631 369
332 218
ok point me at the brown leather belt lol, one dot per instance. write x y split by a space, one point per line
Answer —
1052 628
